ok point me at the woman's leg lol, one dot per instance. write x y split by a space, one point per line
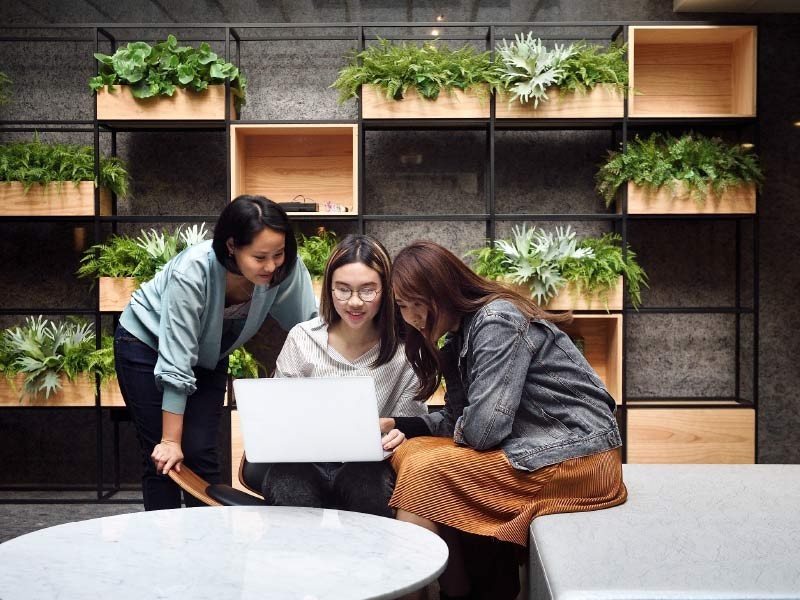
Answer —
294 484
454 581
135 362
365 487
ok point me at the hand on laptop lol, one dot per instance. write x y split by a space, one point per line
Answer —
393 439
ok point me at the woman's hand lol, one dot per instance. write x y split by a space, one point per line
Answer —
393 439
386 424
166 455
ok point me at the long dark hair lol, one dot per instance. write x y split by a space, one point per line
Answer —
243 219
366 250
430 274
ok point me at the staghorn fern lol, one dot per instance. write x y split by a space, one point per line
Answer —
526 68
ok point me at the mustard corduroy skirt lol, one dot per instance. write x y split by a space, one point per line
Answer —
481 493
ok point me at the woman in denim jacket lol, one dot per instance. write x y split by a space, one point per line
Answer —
527 428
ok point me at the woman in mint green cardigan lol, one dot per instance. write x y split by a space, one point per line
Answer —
175 335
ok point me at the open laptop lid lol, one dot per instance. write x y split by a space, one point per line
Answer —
298 419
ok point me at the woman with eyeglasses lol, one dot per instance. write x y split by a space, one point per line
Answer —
354 335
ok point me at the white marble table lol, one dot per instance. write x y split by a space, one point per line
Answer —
240 552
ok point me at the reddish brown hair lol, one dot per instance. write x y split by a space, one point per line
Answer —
430 274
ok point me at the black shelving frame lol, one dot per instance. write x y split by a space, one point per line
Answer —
234 35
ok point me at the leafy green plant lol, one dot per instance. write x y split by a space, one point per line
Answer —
45 352
36 162
702 165
315 250
429 68
160 69
547 261
4 85
243 365
141 257
526 68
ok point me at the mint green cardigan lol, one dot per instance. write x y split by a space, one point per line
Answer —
179 314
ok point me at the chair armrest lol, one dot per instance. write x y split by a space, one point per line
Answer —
229 496
193 484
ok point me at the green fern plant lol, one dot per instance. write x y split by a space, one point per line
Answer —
162 68
141 257
547 261
429 69
36 162
45 352
590 65
701 165
315 250
243 365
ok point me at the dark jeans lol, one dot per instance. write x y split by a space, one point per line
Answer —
359 486
135 362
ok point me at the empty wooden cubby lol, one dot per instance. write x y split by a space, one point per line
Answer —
602 339
316 163
692 71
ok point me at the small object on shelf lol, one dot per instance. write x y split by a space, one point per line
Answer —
299 206
333 207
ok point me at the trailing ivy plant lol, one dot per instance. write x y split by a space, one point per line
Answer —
37 162
526 69
45 352
701 165
243 365
160 69
4 85
140 257
547 261
315 250
429 69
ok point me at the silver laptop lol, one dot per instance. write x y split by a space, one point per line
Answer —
299 419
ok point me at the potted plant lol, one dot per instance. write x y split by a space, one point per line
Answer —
56 180
688 174
123 263
559 271
315 250
49 363
579 80
165 82
410 81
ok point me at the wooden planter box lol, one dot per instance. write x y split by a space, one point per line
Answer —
645 200
602 102
691 435
318 162
62 199
568 299
115 292
72 393
692 71
316 285
602 339
183 105
458 105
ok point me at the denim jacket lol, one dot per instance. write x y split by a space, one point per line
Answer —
522 385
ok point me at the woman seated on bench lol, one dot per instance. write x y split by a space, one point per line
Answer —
527 428
355 334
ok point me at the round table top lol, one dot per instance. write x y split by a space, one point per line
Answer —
238 552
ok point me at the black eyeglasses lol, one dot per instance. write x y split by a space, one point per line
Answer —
343 294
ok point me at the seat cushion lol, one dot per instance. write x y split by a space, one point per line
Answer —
686 531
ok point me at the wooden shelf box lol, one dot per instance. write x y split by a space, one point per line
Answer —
183 105
472 104
72 393
691 435
692 71
318 162
567 299
115 292
602 102
62 199
648 201
602 339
